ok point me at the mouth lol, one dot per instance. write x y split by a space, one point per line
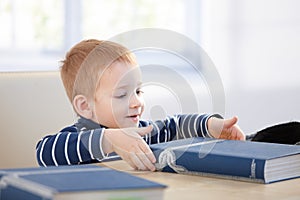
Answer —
134 117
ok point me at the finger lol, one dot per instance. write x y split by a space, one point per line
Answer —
145 130
230 122
125 156
240 135
147 151
137 162
145 160
131 163
237 133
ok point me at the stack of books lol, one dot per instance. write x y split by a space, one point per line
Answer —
238 160
75 182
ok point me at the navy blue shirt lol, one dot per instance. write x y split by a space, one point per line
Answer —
82 142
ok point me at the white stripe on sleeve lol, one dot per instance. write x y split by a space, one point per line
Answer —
146 138
158 132
166 135
189 130
202 128
41 152
90 144
66 149
78 147
182 126
167 130
195 125
53 149
177 127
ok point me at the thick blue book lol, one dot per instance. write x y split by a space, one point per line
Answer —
239 160
75 182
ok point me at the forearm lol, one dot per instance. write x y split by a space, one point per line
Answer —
106 142
180 127
195 125
68 148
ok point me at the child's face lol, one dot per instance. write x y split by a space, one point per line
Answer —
118 98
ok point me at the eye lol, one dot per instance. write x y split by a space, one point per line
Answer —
139 92
122 95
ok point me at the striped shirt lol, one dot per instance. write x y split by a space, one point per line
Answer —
82 142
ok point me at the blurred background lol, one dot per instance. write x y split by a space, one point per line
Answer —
254 44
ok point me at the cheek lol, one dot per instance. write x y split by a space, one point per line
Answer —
103 107
119 105
143 107
142 100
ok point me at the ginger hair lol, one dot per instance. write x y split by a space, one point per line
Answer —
86 61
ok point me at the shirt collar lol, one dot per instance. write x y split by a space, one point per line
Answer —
87 124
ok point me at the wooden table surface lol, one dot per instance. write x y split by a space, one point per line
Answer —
185 187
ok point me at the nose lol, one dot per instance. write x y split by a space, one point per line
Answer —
135 101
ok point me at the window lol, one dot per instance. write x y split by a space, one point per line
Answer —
31 24
31 34
35 35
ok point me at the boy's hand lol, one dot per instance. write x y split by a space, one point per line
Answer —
225 128
130 146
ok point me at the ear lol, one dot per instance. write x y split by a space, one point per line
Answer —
82 106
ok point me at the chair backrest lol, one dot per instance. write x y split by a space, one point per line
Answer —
33 104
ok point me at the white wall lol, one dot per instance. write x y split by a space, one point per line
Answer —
255 45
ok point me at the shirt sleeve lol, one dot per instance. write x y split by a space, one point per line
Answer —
179 127
70 147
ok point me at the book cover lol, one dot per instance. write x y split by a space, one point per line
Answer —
75 182
239 160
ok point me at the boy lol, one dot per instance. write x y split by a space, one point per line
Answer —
103 83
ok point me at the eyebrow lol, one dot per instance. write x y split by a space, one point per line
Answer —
126 85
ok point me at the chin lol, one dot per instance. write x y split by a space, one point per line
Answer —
129 125
133 125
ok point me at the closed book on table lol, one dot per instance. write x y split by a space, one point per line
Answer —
239 160
75 182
